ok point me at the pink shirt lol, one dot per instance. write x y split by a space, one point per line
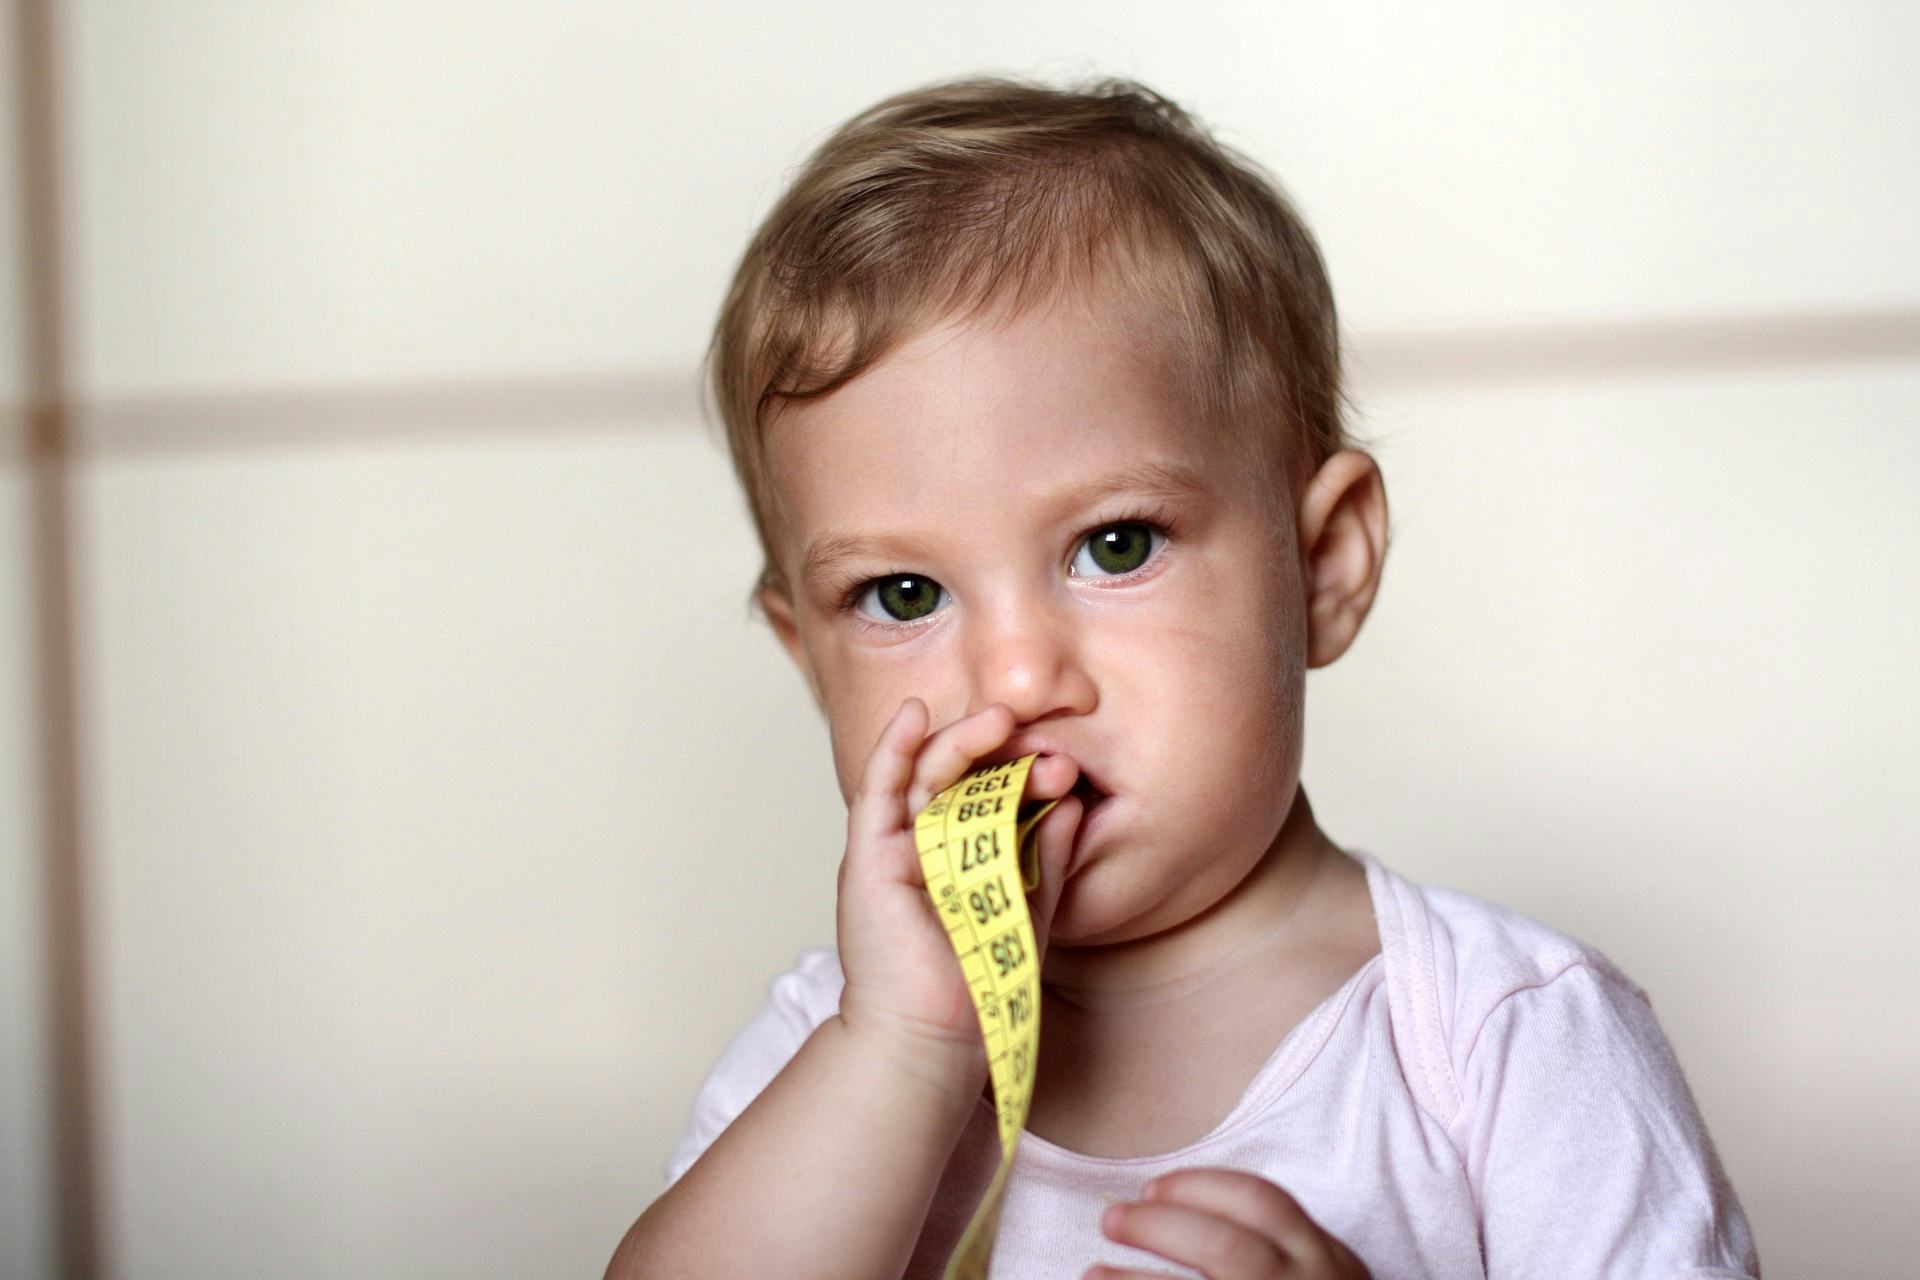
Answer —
1487 1097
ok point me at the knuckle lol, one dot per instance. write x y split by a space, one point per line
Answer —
1276 1199
865 796
1243 1252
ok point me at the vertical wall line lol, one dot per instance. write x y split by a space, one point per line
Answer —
53 645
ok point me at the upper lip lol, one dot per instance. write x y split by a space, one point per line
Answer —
1026 744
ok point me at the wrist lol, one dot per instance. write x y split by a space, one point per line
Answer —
953 1070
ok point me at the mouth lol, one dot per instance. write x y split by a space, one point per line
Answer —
1094 815
1090 795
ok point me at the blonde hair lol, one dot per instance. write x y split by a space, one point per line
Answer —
982 192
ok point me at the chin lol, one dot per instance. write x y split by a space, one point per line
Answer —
1097 910
1078 922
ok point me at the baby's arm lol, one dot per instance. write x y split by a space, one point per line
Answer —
830 1171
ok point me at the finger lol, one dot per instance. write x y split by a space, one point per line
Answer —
948 753
878 809
1052 775
1241 1197
1217 1247
1054 844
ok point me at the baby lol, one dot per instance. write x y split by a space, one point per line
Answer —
1035 395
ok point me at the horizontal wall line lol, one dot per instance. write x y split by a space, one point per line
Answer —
521 408
1609 351
371 413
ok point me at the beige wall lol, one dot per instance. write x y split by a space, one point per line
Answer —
426 734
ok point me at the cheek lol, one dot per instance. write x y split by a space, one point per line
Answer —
1230 619
849 704
1249 699
857 713
862 689
1232 689
846 767
854 730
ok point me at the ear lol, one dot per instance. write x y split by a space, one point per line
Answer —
780 613
1343 541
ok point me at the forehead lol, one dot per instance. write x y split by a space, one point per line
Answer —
984 416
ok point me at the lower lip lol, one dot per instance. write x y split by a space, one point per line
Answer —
1092 822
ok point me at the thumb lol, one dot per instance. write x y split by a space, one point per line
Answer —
1054 846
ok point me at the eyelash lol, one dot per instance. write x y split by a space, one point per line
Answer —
847 595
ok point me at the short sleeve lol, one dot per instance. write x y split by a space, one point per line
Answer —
1587 1153
797 1002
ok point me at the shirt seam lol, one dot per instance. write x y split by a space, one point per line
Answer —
1421 985
1578 963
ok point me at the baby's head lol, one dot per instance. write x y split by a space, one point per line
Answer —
1035 396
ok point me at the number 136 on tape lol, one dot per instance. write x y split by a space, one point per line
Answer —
978 857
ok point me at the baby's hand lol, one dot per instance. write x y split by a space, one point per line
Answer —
1227 1224
905 994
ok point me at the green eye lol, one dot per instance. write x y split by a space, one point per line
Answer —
1113 550
907 599
1120 548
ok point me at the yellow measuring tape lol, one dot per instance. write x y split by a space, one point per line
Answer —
969 837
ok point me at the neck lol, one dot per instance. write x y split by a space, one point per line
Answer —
1260 916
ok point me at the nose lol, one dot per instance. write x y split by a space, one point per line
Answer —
1029 658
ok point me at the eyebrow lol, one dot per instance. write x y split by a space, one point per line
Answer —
1172 482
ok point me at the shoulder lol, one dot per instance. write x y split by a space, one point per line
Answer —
1555 1082
796 1003
1490 951
810 989
1477 951
1454 958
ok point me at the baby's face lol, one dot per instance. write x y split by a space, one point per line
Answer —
1023 514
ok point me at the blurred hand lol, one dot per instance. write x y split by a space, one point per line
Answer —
1227 1224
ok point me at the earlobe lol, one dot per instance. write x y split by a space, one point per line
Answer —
1343 531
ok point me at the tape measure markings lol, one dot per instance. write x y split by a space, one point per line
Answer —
963 837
